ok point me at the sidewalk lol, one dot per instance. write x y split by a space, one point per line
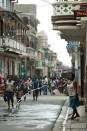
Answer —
63 122
78 124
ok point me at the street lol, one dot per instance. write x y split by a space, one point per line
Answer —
33 115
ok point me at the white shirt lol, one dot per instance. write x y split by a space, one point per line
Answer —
71 90
9 86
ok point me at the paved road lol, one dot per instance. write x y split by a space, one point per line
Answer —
33 115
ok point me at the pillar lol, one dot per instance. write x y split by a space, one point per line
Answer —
85 80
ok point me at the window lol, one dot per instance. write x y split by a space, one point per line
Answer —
8 4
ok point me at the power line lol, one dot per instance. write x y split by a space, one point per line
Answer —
46 2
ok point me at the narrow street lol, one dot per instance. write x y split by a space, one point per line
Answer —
33 115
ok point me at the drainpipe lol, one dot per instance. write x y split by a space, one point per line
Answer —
82 71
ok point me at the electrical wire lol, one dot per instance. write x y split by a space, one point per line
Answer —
46 2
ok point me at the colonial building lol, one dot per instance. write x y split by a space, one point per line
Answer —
52 63
47 59
70 17
28 14
12 42
43 39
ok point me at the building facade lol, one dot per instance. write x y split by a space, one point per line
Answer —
12 44
23 52
28 14
70 18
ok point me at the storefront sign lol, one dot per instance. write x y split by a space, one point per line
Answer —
72 45
80 13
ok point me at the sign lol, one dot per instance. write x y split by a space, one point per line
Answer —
80 13
73 44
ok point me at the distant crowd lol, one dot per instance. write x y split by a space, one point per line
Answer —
27 85
22 86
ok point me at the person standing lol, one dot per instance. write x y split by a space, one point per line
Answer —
10 91
25 88
45 85
40 85
73 101
35 88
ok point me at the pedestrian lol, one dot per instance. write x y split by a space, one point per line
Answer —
19 94
49 85
73 101
40 85
10 91
45 85
25 88
35 88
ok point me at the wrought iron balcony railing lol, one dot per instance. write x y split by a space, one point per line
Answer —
65 8
31 52
11 45
39 65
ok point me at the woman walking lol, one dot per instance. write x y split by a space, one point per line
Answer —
73 95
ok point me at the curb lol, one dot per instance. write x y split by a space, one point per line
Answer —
60 121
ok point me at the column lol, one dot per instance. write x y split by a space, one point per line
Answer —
85 80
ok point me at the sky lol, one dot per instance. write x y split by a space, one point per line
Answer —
44 13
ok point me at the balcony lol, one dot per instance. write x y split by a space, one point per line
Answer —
32 54
39 65
51 64
7 5
12 46
64 20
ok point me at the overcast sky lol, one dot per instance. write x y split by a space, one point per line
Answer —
44 13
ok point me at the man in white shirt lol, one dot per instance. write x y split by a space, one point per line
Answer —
10 91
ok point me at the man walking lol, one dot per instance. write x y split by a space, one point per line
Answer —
35 88
10 91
